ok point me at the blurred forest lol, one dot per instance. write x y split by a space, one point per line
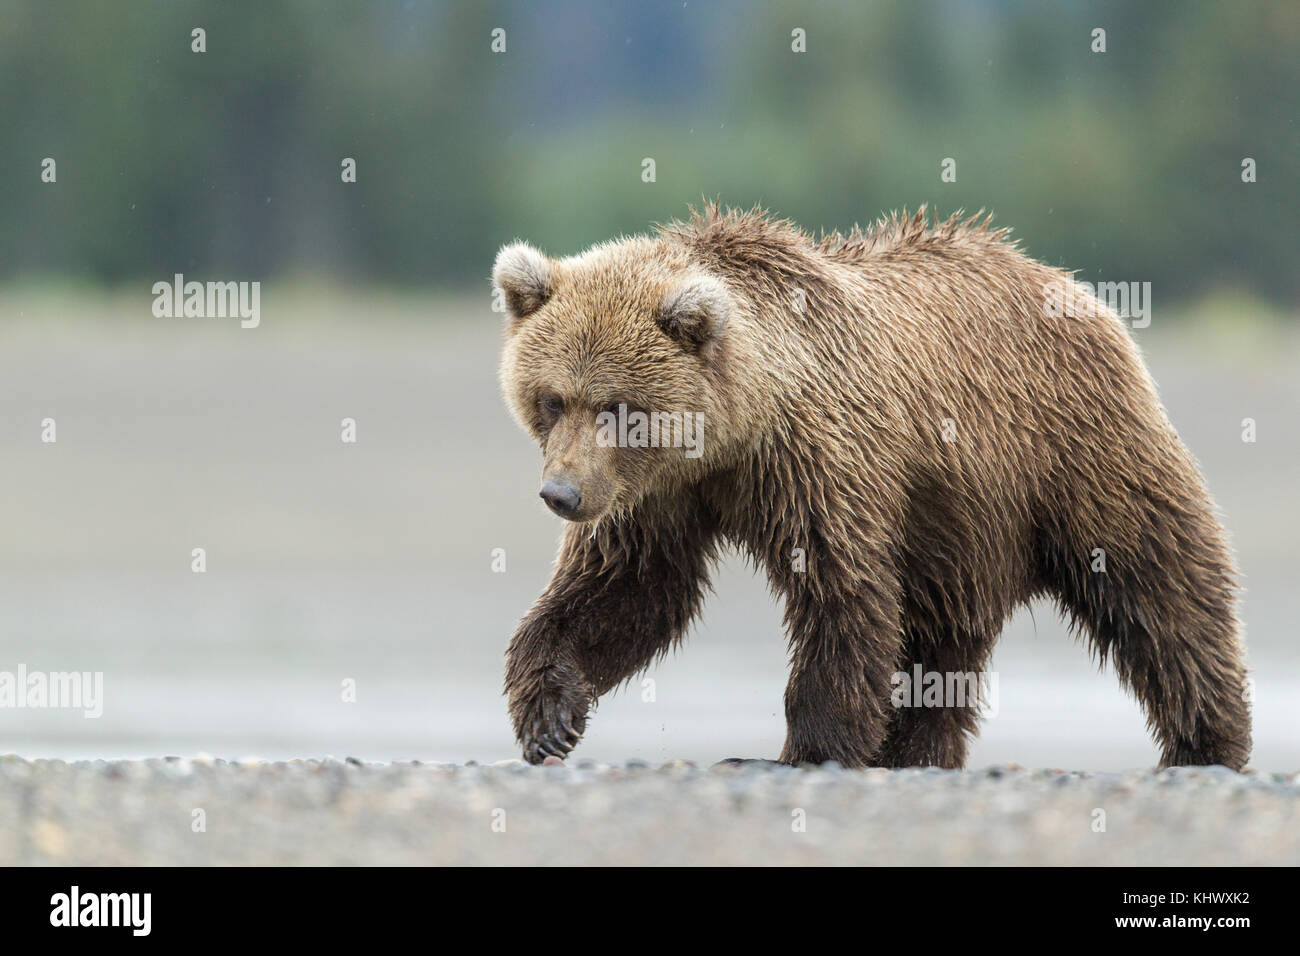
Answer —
1125 164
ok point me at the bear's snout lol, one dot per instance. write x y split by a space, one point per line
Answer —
561 497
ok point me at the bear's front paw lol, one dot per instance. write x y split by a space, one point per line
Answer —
553 720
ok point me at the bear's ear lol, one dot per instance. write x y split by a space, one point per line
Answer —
695 312
524 277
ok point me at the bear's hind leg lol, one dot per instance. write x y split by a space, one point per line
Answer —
1152 586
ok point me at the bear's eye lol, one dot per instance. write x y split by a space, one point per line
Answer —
551 406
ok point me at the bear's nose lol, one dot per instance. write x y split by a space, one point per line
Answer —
561 497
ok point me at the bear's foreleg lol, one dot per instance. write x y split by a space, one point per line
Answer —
923 734
843 653
616 602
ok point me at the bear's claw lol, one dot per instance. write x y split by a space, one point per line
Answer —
556 730
550 744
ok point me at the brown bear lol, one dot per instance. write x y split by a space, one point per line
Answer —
901 429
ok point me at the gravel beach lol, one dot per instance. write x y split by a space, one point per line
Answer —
204 811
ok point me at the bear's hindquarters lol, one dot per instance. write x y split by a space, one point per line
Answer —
1138 561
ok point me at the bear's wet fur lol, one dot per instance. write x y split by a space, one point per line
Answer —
903 435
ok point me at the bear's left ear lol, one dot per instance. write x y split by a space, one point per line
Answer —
694 313
524 276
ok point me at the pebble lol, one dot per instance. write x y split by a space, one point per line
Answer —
329 811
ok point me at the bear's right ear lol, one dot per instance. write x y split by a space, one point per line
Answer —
524 277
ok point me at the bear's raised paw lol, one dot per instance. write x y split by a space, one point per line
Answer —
552 723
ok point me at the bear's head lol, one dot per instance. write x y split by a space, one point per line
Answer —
613 362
